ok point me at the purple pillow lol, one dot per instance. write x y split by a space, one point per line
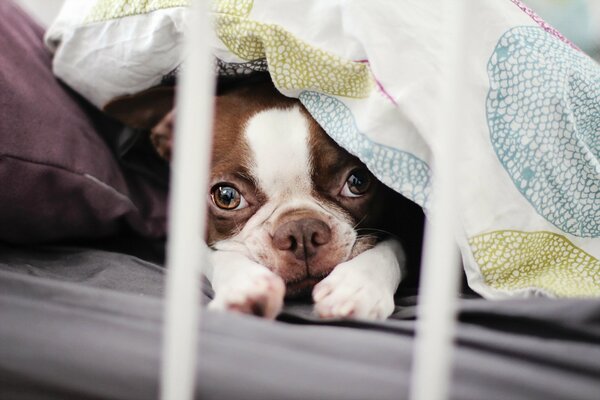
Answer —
58 177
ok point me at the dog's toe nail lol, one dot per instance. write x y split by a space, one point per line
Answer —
346 309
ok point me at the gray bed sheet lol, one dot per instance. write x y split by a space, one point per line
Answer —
78 323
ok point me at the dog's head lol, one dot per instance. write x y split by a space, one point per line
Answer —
282 192
285 194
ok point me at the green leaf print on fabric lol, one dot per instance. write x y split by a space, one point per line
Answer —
294 64
105 10
512 260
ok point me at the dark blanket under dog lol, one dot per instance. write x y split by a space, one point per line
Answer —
82 323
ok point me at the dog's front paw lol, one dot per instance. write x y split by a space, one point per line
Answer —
260 293
352 295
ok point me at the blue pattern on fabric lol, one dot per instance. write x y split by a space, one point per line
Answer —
543 112
398 169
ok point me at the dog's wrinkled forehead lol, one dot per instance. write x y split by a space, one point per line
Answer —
280 156
271 141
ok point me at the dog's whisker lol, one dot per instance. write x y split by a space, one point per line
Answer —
360 221
375 230
365 237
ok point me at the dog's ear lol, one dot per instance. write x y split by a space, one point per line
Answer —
142 110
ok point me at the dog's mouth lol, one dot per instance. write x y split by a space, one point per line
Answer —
301 287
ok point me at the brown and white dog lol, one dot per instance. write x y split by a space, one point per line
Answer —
290 212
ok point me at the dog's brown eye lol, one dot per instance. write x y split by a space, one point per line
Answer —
227 197
357 184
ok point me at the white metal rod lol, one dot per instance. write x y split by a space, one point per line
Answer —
187 215
436 311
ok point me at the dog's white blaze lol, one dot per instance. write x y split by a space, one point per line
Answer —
278 139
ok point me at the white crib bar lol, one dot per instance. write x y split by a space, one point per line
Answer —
436 311
187 207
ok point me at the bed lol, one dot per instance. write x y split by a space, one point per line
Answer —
86 323
82 230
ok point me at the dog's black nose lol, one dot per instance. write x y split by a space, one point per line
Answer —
302 237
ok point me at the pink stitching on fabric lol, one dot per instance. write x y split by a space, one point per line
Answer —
379 85
532 14
546 26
